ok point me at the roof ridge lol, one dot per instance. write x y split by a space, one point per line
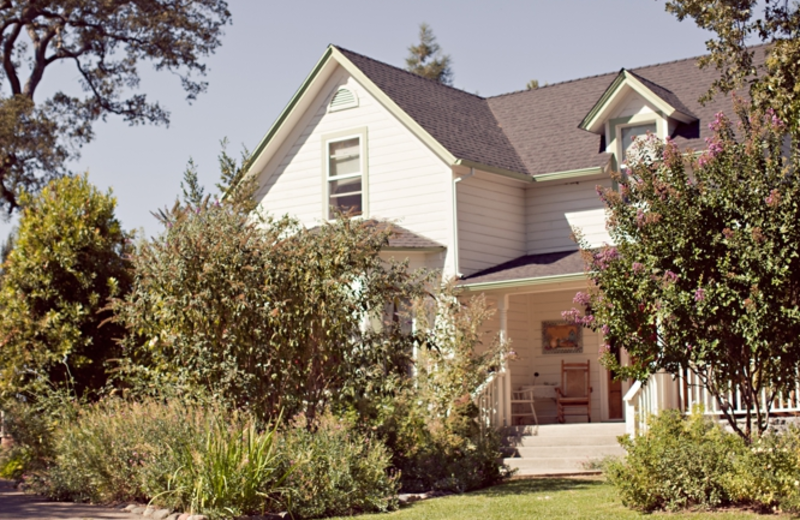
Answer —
608 73
433 81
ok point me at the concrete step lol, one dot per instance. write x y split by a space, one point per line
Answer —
558 449
586 452
572 440
564 466
574 429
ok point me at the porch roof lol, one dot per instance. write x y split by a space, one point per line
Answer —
529 267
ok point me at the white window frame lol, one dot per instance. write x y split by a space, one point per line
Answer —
327 140
615 126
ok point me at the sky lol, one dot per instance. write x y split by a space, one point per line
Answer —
496 47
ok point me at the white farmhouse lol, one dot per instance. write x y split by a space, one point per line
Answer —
485 189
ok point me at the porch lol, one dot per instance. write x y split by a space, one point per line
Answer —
529 316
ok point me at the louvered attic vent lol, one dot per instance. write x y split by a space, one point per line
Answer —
344 98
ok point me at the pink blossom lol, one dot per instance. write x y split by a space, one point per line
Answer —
581 298
719 121
773 199
703 160
604 258
606 330
699 295
640 218
670 277
637 267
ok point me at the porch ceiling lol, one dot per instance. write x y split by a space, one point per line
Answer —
530 266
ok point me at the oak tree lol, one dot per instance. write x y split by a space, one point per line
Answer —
105 42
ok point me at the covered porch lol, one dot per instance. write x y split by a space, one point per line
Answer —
529 295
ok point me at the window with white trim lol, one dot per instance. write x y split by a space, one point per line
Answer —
345 177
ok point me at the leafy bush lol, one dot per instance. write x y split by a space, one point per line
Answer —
68 259
186 456
767 474
336 470
442 453
677 463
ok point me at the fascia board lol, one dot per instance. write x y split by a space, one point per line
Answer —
393 108
492 169
523 282
261 155
570 174
659 103
593 119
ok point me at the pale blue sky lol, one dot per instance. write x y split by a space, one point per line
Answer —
496 47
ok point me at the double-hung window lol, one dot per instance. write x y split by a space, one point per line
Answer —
345 176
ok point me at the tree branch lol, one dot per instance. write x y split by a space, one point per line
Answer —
8 63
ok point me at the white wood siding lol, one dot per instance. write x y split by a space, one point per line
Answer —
491 222
408 184
632 104
547 206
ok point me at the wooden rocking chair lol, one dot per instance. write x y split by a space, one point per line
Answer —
574 391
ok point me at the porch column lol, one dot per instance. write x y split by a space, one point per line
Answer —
505 390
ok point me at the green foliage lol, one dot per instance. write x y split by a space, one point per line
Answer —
106 41
263 313
768 475
69 257
532 84
236 470
677 463
446 453
337 470
427 60
686 462
190 456
705 275
734 23
431 425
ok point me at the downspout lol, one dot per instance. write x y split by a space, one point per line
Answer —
455 220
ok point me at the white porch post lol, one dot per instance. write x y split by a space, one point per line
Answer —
505 391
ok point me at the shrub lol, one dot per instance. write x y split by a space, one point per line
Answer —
336 470
767 474
448 453
236 470
677 463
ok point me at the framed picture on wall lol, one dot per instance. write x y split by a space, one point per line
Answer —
561 337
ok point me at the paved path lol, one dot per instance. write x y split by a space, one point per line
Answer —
16 505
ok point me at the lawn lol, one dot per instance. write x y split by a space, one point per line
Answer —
572 498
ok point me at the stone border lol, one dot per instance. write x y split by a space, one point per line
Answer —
149 511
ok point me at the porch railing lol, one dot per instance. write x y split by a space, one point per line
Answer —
493 399
686 392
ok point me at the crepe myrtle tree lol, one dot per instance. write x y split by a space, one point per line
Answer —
705 273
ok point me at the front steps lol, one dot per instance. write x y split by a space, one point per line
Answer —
563 449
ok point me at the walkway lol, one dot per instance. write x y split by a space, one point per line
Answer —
16 505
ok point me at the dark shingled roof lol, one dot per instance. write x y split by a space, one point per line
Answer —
403 239
462 122
530 266
536 131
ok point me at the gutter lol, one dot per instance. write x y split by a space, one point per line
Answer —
456 250
525 282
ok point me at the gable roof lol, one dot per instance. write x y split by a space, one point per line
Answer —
663 99
524 134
